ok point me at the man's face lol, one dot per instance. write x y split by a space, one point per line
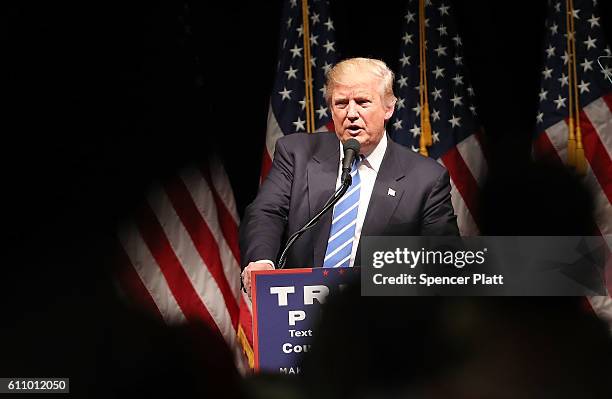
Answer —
359 111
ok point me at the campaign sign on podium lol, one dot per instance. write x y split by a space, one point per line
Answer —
286 308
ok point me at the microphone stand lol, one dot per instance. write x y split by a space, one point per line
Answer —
346 183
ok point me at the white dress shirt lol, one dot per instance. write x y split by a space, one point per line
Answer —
368 170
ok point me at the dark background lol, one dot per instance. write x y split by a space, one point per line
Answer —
102 98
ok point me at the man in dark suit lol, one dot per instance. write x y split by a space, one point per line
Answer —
396 192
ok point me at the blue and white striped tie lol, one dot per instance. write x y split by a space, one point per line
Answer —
344 222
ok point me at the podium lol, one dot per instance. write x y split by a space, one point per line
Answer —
286 308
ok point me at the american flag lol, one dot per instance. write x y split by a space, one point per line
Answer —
455 130
179 256
595 101
287 110
595 109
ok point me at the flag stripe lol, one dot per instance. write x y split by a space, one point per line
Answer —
202 239
198 188
227 222
600 115
464 181
178 281
220 185
465 221
133 286
597 156
197 272
471 153
150 273
544 150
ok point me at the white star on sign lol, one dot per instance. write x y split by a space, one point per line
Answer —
313 40
435 115
415 130
470 90
442 30
456 100
440 50
473 109
313 61
436 93
547 72
443 9
564 80
558 7
590 43
417 109
607 71
458 60
322 111
407 38
329 46
550 51
586 65
303 103
584 86
560 101
414 149
289 22
457 40
299 124
454 121
300 31
285 93
458 79
402 81
405 60
539 117
293 3
296 51
291 73
543 94
575 14
594 21
329 24
439 72
400 103
397 125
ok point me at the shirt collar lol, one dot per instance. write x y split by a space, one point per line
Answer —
376 156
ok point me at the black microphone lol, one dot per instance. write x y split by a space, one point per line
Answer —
351 150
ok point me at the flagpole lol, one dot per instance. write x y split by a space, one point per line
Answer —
580 161
426 139
309 102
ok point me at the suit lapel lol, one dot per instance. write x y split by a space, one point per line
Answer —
322 176
386 194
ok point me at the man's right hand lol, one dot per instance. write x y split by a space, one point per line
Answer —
253 267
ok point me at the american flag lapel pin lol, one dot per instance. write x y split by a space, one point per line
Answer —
391 192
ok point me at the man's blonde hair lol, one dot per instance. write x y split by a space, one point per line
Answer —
350 66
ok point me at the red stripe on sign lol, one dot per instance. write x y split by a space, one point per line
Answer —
203 240
246 320
133 286
597 156
229 228
545 151
464 181
330 126
266 165
187 298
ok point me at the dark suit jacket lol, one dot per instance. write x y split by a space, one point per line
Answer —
303 177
